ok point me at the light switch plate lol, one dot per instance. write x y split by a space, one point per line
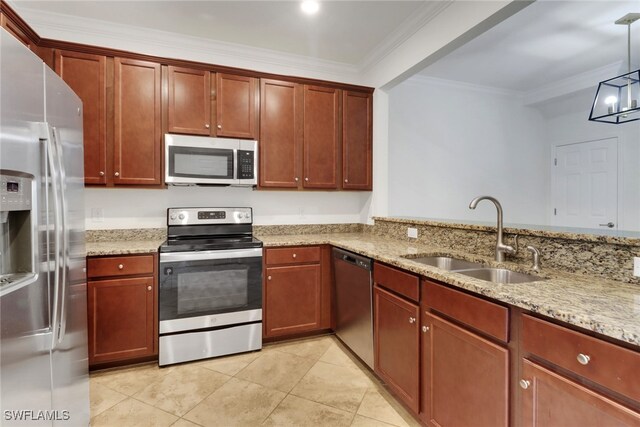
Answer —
412 232
636 266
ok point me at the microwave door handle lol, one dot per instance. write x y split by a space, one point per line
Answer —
64 232
235 163
53 169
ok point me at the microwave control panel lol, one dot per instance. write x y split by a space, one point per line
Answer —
246 166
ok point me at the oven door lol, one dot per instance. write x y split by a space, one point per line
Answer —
199 160
208 289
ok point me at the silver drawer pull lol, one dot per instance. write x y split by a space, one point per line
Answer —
294 255
583 359
206 126
268 277
412 320
117 174
425 329
120 266
525 384
149 288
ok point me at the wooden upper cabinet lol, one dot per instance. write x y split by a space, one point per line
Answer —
137 135
86 75
357 144
280 136
189 100
237 99
321 137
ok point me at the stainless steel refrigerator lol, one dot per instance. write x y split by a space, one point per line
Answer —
43 290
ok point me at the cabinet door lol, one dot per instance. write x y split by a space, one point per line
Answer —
236 106
552 400
357 148
293 298
85 74
138 135
397 348
189 101
280 138
321 136
120 317
465 379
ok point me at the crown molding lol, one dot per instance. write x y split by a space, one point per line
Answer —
422 80
156 42
427 12
584 80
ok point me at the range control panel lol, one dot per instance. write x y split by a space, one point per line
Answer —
204 216
15 192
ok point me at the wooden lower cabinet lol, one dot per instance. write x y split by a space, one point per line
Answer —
122 308
397 344
465 378
297 290
553 400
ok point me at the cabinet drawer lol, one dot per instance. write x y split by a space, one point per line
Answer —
293 255
119 266
607 364
485 316
405 284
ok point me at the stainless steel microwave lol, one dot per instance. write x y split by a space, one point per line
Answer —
197 160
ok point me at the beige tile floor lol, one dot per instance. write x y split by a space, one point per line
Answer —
312 382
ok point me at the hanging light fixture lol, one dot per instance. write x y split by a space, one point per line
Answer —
618 99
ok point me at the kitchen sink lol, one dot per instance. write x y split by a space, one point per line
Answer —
500 275
447 263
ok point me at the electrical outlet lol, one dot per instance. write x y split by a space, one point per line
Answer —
97 214
412 232
636 266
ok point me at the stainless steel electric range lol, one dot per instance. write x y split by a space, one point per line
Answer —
210 301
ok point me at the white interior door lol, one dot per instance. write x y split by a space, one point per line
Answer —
585 184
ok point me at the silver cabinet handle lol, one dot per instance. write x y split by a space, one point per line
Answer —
207 126
425 329
101 173
346 180
294 255
609 224
306 179
525 384
219 126
296 179
117 174
120 266
583 359
268 277
412 320
149 288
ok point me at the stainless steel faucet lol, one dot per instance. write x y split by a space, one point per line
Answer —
501 247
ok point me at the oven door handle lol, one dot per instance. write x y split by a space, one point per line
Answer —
210 255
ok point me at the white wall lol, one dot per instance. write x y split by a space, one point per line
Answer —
450 142
144 208
566 123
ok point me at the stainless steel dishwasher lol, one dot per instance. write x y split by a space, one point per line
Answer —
354 298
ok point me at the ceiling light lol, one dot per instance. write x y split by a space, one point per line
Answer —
616 100
310 7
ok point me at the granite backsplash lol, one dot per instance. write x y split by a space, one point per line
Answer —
611 259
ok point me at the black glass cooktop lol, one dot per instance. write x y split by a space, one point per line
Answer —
208 243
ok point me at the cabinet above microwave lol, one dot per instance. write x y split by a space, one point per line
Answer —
197 160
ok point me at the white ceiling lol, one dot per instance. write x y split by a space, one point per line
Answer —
347 32
546 42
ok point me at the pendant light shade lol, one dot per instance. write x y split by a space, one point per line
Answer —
618 99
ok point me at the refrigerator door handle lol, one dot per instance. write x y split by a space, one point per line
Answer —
64 232
53 172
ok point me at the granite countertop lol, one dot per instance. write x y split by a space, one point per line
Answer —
607 307
123 247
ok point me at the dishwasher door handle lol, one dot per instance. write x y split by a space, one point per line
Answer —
349 259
